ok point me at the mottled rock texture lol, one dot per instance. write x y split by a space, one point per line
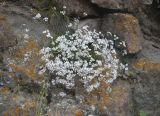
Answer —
126 27
135 21
7 38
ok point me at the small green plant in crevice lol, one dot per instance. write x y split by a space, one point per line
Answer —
41 107
142 113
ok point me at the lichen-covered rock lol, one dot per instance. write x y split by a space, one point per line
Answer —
16 104
126 27
111 100
25 62
147 65
146 95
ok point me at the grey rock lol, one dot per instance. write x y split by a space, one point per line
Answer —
75 7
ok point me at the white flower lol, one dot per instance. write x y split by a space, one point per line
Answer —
38 16
64 7
48 34
24 24
85 14
70 25
53 82
85 54
62 94
63 12
26 30
45 19
26 36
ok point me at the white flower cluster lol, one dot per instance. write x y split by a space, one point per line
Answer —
38 16
85 55
48 34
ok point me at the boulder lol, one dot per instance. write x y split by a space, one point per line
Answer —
126 27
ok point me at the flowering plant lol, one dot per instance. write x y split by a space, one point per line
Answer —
86 56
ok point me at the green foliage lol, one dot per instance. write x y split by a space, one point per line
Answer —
42 99
142 113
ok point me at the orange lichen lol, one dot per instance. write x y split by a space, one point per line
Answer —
17 111
6 114
29 106
128 26
98 97
28 71
146 65
112 99
78 113
28 46
34 59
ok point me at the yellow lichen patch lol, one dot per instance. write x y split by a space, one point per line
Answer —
28 58
146 65
4 90
78 113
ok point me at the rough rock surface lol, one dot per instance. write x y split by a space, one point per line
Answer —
126 27
113 4
136 95
7 38
78 7
121 4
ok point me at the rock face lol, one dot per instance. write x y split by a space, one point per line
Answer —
112 100
76 7
126 27
145 92
21 37
7 38
113 4
120 4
